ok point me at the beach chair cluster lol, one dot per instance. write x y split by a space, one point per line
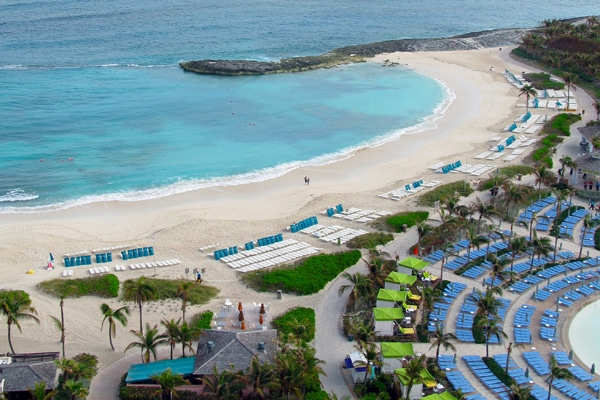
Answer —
587 236
516 80
408 189
536 208
487 377
572 391
165 263
269 255
103 258
360 215
568 224
521 324
476 170
67 272
78 261
435 256
518 374
305 223
98 270
450 167
137 253
455 377
557 99
333 210
441 307
535 360
335 234
112 248
218 254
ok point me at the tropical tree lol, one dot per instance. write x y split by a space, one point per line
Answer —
588 224
262 377
492 232
528 91
543 176
113 316
487 303
362 329
541 247
423 229
360 285
439 339
513 194
171 333
516 247
556 372
291 374
509 350
569 78
483 210
139 291
60 324
186 335
183 292
492 326
75 389
597 107
168 381
475 240
565 161
147 342
224 385
39 391
370 351
499 270
429 296
519 392
301 331
15 305
70 369
411 372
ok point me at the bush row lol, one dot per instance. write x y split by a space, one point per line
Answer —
102 286
305 316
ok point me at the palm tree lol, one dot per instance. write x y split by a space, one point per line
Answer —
300 330
291 374
262 377
484 210
509 350
492 230
492 326
528 91
224 385
440 339
556 372
520 392
360 286
514 194
76 389
362 329
370 351
39 392
429 296
183 292
423 229
569 78
171 333
588 224
411 372
516 247
597 107
60 324
499 270
113 316
487 303
543 176
147 342
565 161
186 335
475 240
70 369
168 382
15 305
140 291
541 247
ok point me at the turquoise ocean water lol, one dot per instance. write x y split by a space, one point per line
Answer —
94 107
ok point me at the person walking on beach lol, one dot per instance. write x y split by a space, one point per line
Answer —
306 180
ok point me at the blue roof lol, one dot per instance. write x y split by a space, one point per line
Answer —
143 372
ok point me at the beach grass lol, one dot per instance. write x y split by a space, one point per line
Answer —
299 322
308 277
106 286
448 190
370 240
197 293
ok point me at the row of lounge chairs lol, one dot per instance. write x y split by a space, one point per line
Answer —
360 215
334 233
407 190
487 377
166 263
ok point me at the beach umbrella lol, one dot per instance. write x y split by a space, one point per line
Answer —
571 354
262 308
527 372
243 327
240 308
593 369
260 319
454 358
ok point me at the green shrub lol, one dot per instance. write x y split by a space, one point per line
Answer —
429 198
198 293
87 365
306 278
409 219
102 286
202 320
135 393
304 316
514 170
498 371
370 240
320 395
542 80
561 124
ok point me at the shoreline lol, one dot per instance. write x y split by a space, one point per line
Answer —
178 225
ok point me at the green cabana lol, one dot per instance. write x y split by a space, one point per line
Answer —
388 297
441 396
384 319
396 279
417 389
414 263
396 349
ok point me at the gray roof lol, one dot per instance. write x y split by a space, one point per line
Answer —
588 132
20 377
233 347
590 163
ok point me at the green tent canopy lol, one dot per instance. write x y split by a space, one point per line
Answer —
396 349
441 396
397 296
414 263
387 314
401 279
428 380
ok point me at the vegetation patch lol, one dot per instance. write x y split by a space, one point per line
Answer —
197 293
308 277
298 322
102 286
542 81
370 240
398 221
448 190
561 124
202 320
498 371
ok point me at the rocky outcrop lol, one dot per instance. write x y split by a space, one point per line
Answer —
357 53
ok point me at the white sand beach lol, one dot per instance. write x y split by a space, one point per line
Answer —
179 225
